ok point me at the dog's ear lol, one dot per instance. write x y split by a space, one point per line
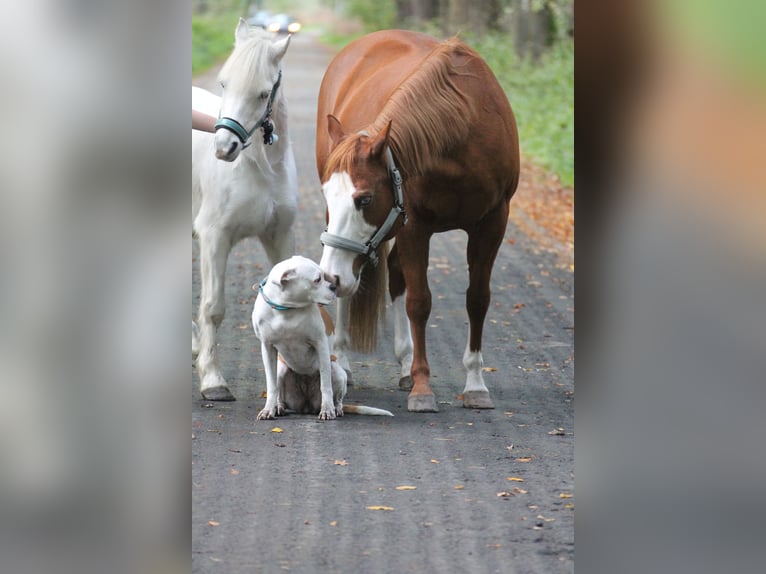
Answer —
286 276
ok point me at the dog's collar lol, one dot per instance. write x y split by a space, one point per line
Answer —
271 303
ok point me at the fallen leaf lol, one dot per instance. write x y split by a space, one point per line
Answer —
433 460
569 506
380 508
519 490
489 369
565 495
334 523
459 487
264 395
505 494
557 432
277 429
406 487
234 471
515 479
524 458
213 523
341 462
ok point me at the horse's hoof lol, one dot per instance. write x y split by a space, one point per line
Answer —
218 394
477 400
405 383
422 404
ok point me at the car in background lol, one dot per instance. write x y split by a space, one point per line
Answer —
261 19
283 24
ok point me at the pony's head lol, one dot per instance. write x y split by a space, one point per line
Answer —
363 191
250 79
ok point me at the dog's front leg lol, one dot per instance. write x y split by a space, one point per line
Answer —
328 410
269 355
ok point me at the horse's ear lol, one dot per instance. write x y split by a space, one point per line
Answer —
380 141
242 32
277 49
335 129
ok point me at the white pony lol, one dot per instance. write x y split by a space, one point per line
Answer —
253 192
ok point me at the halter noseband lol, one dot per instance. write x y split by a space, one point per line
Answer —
269 137
369 249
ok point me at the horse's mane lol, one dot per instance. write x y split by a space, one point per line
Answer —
430 115
249 56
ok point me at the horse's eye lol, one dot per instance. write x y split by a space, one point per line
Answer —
318 280
363 201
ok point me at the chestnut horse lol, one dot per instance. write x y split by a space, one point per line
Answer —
414 137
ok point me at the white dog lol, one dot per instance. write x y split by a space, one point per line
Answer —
295 336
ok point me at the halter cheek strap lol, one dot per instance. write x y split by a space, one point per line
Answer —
370 248
269 137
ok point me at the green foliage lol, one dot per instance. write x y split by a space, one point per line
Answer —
542 97
373 14
212 39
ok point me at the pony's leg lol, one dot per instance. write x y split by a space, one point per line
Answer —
214 250
342 341
413 254
483 243
402 334
279 239
195 339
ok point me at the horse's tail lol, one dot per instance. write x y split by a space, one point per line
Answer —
368 304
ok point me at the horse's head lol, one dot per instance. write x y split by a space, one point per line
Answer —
250 79
363 191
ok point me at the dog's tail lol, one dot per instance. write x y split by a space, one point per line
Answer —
363 410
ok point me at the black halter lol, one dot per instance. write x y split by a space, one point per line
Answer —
269 137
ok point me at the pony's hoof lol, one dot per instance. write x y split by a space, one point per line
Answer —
405 383
477 400
422 404
218 394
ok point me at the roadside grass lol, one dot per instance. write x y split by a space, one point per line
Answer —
212 39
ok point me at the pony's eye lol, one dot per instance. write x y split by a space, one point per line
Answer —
318 280
363 201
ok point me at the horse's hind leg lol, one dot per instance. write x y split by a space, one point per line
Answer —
214 250
483 244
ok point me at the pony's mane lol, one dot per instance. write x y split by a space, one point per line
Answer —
430 115
249 56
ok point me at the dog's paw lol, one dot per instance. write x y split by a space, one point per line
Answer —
268 413
327 413
339 409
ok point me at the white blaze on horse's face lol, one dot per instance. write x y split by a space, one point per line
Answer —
348 222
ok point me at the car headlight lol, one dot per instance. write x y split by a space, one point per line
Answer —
294 27
274 27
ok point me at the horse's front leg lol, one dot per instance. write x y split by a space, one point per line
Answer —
413 253
341 339
402 333
214 250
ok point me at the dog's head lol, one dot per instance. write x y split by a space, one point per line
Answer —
302 282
